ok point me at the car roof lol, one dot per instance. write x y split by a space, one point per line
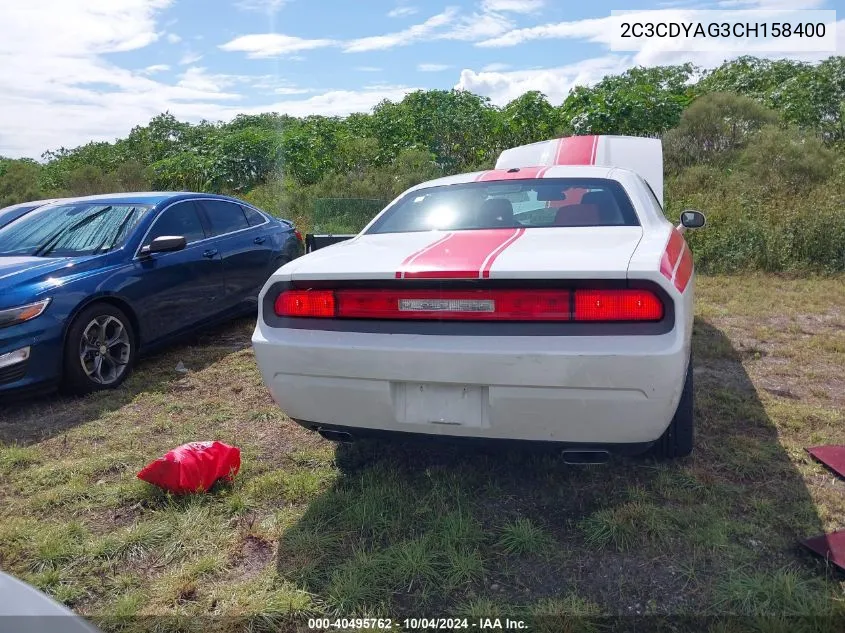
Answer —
502 175
30 203
146 197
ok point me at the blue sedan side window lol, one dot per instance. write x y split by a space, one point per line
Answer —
253 217
180 219
224 217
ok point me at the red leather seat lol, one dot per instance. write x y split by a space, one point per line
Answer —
578 215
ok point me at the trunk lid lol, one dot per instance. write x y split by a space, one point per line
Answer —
532 253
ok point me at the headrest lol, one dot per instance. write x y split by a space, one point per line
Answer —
599 197
578 215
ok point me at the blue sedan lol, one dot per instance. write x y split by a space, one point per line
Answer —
88 283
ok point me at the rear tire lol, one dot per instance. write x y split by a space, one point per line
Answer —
677 440
99 349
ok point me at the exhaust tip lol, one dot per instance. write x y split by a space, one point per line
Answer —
585 457
335 436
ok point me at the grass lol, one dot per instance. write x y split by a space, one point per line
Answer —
310 529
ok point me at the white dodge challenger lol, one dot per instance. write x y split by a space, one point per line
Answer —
546 300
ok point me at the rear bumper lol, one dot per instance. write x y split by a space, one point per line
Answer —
347 434
571 389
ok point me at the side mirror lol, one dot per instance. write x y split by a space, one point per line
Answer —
691 219
165 244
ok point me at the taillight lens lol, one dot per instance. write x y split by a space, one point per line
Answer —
297 234
617 305
305 303
472 305
455 305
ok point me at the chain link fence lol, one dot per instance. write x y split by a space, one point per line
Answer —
344 215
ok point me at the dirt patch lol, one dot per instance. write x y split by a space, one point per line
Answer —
254 556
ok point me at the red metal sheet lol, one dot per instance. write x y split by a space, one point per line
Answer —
832 456
831 547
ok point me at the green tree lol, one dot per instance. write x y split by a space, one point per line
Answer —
19 181
245 157
456 127
639 102
810 96
527 119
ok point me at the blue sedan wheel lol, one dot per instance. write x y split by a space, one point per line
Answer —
100 349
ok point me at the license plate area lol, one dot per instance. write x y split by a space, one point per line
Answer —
440 404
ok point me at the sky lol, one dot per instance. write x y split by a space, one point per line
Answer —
74 71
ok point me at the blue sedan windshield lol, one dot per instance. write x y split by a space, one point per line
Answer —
71 230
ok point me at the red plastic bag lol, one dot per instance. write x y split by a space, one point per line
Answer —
193 467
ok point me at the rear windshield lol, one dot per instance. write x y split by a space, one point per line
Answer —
541 202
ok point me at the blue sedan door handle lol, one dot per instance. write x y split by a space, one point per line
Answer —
259 240
211 252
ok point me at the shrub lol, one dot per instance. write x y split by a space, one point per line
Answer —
713 128
784 158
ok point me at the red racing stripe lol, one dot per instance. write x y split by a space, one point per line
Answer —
488 263
576 150
670 255
684 272
410 258
506 174
462 255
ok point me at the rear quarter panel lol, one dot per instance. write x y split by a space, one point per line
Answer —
664 257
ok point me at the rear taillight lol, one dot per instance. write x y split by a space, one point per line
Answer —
472 305
297 234
305 303
617 305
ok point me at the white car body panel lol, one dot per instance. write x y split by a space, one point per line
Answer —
590 389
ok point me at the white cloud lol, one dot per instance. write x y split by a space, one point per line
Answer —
773 4
262 6
198 79
261 45
556 82
513 6
478 26
189 58
57 88
402 38
469 28
401 12
155 68
597 30
432 68
173 38
287 90
368 69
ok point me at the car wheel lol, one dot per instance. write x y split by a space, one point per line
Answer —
99 349
677 440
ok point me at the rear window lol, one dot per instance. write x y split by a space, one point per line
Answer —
541 202
253 217
225 217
